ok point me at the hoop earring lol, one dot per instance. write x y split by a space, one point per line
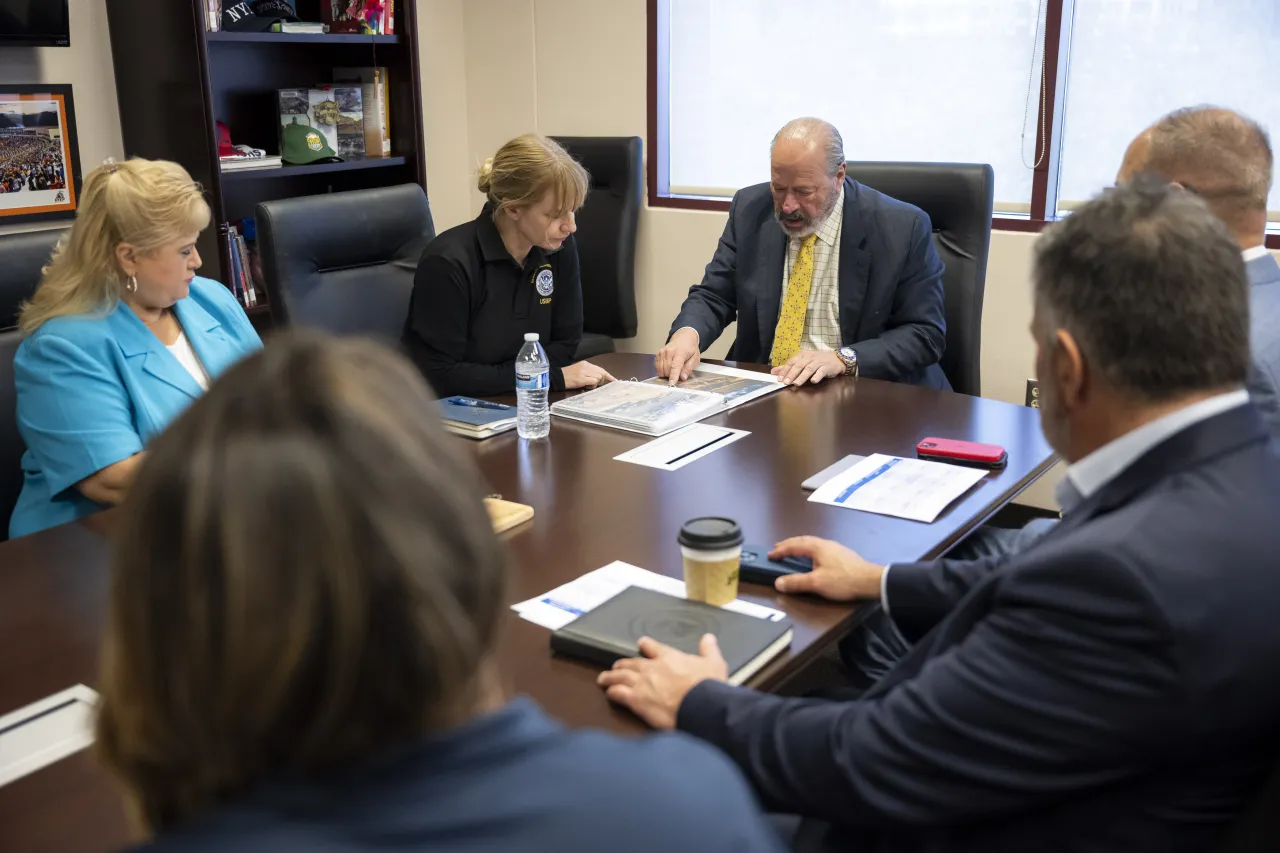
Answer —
132 286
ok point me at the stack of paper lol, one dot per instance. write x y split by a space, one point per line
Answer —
246 162
891 485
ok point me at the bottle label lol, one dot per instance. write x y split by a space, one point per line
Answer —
533 382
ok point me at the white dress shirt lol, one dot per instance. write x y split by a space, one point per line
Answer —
1087 476
186 356
822 317
1254 253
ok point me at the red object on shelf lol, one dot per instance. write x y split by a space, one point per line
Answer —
355 16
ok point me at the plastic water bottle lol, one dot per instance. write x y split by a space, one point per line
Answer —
533 380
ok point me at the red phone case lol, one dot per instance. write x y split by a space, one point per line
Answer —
962 452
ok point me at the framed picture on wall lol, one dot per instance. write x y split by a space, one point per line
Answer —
39 153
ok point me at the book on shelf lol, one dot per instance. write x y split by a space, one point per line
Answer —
250 286
309 27
654 407
375 97
243 282
245 164
213 15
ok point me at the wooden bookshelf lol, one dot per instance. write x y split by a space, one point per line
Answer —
175 80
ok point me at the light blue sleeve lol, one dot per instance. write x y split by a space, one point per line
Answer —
74 413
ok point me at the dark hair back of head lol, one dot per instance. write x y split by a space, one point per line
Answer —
304 576
1150 284
1217 153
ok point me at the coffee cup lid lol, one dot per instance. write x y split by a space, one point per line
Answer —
710 533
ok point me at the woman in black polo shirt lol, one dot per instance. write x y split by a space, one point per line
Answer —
481 286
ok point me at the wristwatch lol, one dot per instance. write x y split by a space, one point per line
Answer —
850 358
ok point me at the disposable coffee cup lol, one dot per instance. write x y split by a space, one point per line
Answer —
712 550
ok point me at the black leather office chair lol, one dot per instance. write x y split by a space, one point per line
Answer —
607 237
22 257
958 198
344 262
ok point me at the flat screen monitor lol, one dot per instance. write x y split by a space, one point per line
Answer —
34 23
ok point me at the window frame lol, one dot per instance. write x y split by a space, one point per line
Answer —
1045 178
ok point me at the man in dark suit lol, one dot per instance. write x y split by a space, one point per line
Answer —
1111 687
826 277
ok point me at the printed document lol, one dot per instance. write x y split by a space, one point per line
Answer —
891 485
563 604
676 450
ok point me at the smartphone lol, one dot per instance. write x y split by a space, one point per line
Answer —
756 567
962 452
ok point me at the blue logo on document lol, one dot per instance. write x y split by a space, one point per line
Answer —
545 283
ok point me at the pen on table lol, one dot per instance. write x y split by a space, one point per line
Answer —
476 404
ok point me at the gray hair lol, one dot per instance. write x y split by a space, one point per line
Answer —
1152 287
1216 153
807 129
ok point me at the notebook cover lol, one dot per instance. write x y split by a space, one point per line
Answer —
612 630
473 415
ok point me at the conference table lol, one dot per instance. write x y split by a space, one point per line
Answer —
590 510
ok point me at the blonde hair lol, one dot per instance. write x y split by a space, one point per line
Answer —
144 202
526 169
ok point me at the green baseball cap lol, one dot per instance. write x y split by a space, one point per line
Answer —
301 144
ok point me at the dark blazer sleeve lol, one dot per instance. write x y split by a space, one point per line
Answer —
438 329
915 332
566 317
713 304
1055 691
917 596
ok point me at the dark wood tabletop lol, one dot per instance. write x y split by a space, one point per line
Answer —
590 510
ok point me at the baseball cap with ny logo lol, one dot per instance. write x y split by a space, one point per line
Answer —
255 16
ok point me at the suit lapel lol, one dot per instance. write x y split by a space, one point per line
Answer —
207 336
771 260
855 264
140 344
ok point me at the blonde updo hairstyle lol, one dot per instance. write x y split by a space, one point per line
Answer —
148 203
529 167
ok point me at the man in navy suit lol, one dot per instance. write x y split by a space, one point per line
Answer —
1226 159
1111 687
826 277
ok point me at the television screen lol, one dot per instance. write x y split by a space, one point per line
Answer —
34 23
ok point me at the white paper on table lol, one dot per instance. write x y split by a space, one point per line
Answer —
677 449
46 731
906 488
565 603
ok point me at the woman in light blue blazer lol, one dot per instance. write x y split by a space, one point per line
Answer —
121 336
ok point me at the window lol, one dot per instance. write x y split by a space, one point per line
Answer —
1132 61
940 80
947 80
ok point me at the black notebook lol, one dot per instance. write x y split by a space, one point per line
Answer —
613 629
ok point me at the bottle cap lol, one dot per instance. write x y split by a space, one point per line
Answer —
710 533
531 336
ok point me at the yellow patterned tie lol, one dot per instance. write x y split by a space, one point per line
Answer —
790 328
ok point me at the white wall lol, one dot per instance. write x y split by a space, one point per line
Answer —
86 65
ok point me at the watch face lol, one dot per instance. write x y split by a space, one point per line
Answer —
847 352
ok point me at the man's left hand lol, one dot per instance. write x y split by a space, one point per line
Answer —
809 366
653 686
